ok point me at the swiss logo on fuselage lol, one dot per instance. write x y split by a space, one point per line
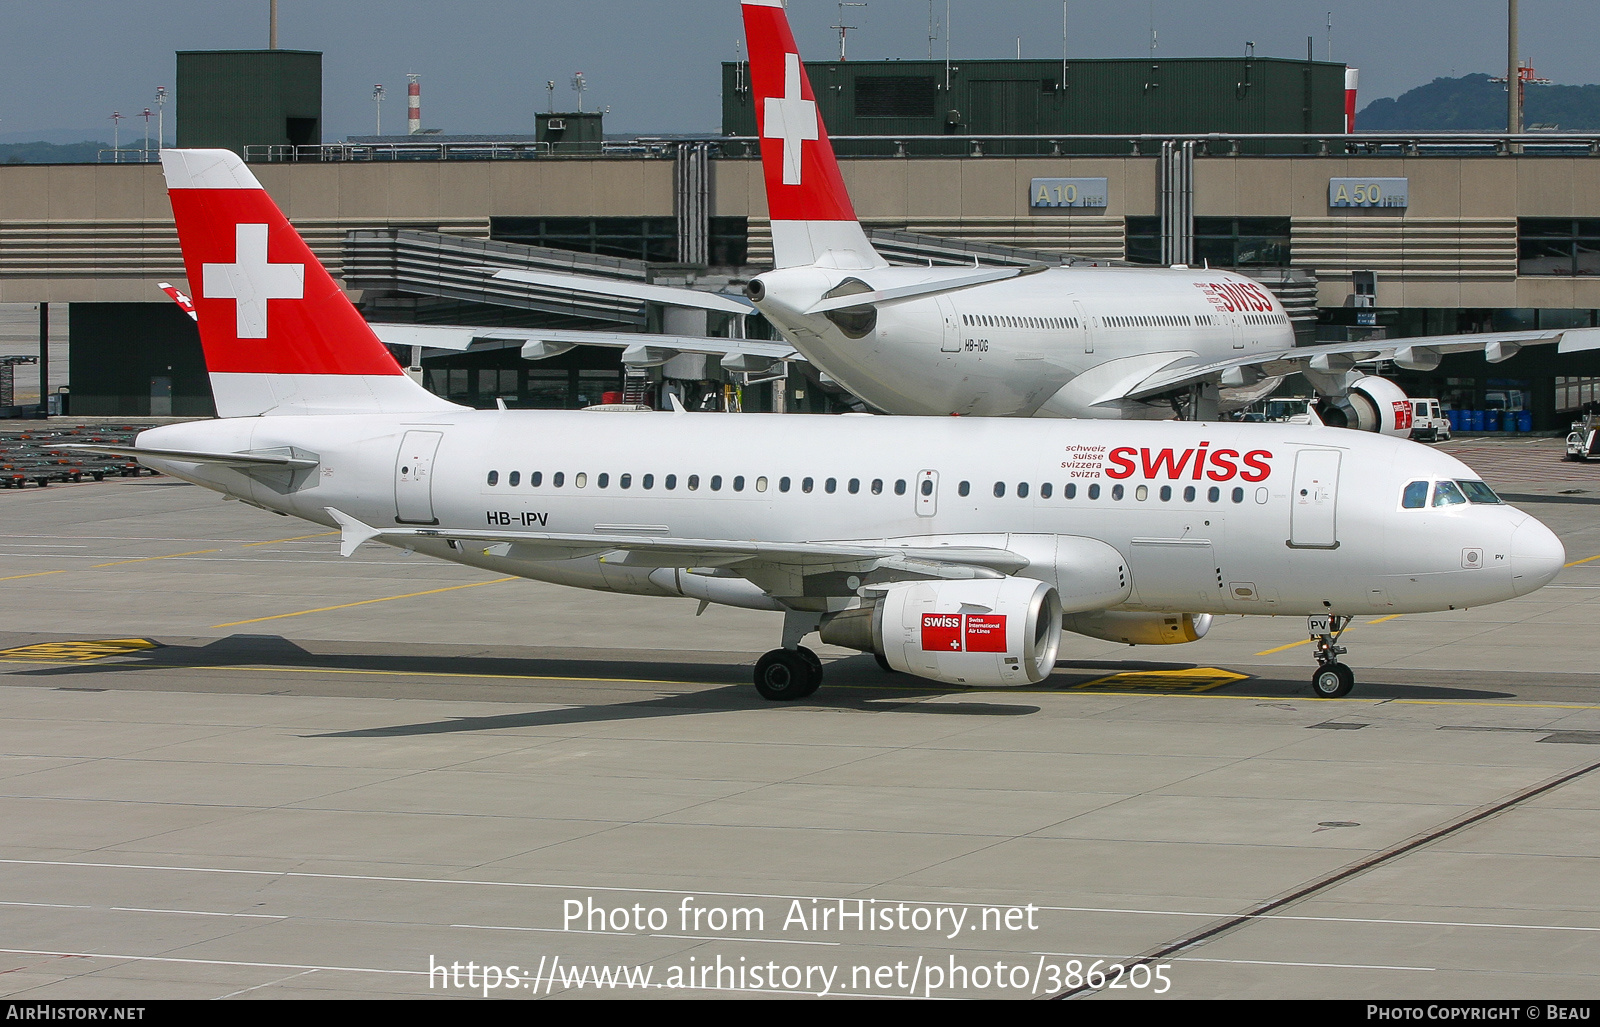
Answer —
1197 464
1233 296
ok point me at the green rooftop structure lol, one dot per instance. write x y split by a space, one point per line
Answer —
899 100
230 99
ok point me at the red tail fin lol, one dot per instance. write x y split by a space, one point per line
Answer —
806 198
278 333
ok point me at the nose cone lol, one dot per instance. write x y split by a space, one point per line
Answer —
1536 556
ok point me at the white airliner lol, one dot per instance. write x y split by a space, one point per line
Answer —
1101 342
955 549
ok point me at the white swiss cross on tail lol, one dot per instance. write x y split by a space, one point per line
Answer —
251 281
791 118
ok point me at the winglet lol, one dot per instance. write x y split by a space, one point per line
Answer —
677 404
351 531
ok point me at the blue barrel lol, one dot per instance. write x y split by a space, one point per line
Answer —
1491 420
1477 420
1525 420
1454 417
1508 420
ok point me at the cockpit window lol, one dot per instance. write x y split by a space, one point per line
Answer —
1416 496
1445 493
1478 492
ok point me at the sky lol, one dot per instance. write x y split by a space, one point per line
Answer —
66 65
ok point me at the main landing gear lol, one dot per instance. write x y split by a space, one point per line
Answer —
1332 679
787 674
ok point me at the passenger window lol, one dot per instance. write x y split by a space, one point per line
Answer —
603 480
1141 493
1071 490
1094 491
964 488
738 483
693 482
1116 492
761 484
648 481
1445 493
999 489
535 479
494 477
1045 489
900 487
1214 494
625 481
671 482
831 485
806 484
1416 496
580 479
783 484
558 479
855 485
1166 493
1238 495
1188 494
1022 490
716 483
927 486
514 478
877 486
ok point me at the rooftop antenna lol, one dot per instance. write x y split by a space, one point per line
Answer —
146 116
842 27
161 120
116 138
578 87
1152 28
947 45
377 100
1063 44
933 29
1330 37
272 26
550 88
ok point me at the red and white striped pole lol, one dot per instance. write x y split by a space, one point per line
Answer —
414 104
1351 77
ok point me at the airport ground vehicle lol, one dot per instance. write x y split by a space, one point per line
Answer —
1583 442
955 549
1428 422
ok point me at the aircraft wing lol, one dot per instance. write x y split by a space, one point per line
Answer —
660 551
1421 353
625 289
640 350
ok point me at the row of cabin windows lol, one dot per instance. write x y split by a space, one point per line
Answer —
692 482
1140 492
853 486
1016 321
1155 321
1266 319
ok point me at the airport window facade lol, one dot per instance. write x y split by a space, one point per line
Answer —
1218 242
643 238
1558 246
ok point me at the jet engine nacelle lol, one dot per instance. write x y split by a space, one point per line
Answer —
984 632
1139 628
1372 404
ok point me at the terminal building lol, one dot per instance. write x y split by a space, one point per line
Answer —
1241 163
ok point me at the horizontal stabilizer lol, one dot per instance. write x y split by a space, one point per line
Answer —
242 461
351 531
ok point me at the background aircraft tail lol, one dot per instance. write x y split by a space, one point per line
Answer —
812 219
278 333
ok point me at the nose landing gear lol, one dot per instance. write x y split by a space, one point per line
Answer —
1332 679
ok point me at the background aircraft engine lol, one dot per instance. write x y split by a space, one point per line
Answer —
1139 628
1372 404
984 632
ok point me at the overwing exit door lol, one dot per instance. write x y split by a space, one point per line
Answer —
413 478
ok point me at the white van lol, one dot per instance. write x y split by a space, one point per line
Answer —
1428 423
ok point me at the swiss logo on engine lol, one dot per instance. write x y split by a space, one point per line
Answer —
957 632
1402 414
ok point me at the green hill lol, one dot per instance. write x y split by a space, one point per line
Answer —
1474 104
51 153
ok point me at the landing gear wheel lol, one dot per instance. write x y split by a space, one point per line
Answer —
1333 681
784 675
883 663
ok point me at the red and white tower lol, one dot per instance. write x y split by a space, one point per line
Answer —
1352 79
414 104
